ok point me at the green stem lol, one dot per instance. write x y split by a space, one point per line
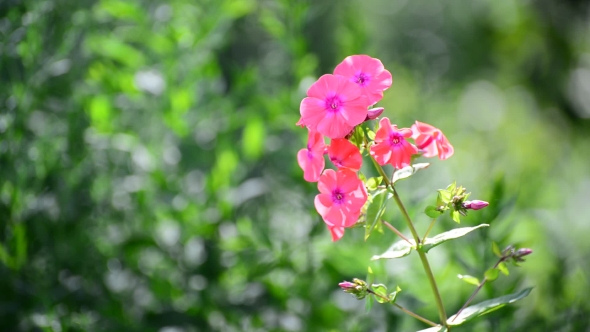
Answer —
418 317
485 279
439 303
429 229
393 229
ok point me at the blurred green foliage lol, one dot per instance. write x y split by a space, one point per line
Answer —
148 179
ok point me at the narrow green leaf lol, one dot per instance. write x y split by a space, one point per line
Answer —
492 274
380 289
469 279
397 250
452 186
456 216
485 307
369 299
496 249
375 211
432 212
503 268
371 134
408 171
430 243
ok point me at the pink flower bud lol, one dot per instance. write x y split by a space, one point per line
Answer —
373 113
347 285
475 205
520 253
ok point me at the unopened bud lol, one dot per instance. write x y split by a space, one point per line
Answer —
357 288
374 113
475 205
520 253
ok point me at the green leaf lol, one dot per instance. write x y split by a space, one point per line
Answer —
375 211
485 307
372 183
380 289
452 186
397 250
496 249
371 134
492 274
469 279
430 243
408 171
456 216
503 268
369 299
444 197
393 295
432 212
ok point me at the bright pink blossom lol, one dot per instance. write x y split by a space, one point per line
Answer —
368 73
431 140
311 160
333 106
391 146
342 195
345 154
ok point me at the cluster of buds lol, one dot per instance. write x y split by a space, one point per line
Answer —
454 199
515 254
357 287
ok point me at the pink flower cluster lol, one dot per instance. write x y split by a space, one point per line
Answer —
334 106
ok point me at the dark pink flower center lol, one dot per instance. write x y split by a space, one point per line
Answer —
395 139
362 79
337 196
333 104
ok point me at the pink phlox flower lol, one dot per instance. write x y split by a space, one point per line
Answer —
342 195
431 140
344 154
391 146
311 159
368 73
333 106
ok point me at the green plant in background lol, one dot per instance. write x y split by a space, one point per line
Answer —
336 107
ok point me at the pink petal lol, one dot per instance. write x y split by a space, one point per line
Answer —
334 125
347 180
312 111
337 233
381 152
355 110
323 86
327 182
323 203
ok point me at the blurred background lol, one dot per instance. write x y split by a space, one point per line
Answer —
148 179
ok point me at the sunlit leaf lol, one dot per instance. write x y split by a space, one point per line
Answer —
408 171
381 291
496 249
393 295
432 212
375 211
492 274
397 250
373 182
503 268
439 328
430 243
486 307
469 279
